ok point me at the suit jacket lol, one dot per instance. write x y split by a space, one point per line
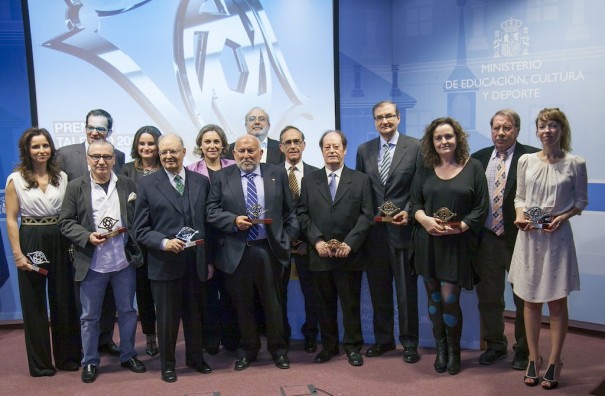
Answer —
274 154
510 190
76 221
227 201
397 189
348 219
159 215
72 160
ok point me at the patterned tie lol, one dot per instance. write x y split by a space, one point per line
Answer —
498 197
251 200
293 184
178 183
385 163
332 185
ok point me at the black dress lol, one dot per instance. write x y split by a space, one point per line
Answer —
449 258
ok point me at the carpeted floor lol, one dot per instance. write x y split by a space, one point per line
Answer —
584 369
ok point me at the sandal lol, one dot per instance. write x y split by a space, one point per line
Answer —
551 377
532 374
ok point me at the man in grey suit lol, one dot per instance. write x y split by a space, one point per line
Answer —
390 162
94 205
497 240
335 213
253 256
292 144
73 161
168 201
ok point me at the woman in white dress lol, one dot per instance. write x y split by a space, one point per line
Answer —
544 267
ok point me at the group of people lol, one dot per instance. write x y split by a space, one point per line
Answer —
212 244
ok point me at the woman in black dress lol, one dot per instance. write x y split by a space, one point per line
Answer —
449 202
146 160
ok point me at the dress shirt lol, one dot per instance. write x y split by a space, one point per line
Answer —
298 171
338 172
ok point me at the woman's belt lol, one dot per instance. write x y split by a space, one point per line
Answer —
27 220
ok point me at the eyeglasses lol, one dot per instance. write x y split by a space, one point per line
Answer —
384 117
260 119
505 128
97 157
294 142
164 153
90 128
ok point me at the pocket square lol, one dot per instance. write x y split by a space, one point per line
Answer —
132 197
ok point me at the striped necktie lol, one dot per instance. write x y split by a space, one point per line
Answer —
498 195
251 200
293 184
385 163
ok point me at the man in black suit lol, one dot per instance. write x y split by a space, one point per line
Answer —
498 241
390 162
253 256
292 144
94 205
257 124
335 212
168 201
73 161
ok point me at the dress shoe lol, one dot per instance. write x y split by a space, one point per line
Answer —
169 375
325 355
152 346
410 355
310 345
243 363
520 361
282 362
110 348
355 358
203 367
491 356
89 373
135 365
379 349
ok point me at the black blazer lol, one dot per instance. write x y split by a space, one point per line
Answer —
76 222
348 219
274 154
227 201
510 190
397 189
159 215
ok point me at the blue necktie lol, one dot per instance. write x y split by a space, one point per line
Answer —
251 200
332 185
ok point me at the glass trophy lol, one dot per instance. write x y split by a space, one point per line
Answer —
38 257
538 218
254 214
186 235
107 223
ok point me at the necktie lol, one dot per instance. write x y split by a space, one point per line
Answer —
178 183
293 184
332 185
385 163
251 200
498 196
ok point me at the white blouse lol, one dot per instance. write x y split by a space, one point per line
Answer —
34 202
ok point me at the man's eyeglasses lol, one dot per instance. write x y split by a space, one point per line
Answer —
294 142
90 128
97 157
384 117
505 128
164 153
254 118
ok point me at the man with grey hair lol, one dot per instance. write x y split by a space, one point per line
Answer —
257 124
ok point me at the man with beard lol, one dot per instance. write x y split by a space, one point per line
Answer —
257 124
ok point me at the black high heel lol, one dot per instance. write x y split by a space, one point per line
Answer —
532 374
551 377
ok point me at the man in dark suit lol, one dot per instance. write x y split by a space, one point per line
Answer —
390 162
335 212
498 240
257 124
73 161
292 144
168 201
94 205
253 256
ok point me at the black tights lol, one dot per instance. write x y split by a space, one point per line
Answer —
444 307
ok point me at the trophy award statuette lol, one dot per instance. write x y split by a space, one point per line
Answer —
107 223
388 209
333 244
37 258
444 215
186 235
538 219
254 214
